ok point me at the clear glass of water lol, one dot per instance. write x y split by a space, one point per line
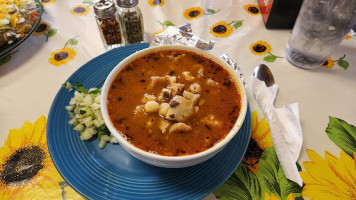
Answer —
320 27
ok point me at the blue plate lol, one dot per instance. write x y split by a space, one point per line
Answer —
112 173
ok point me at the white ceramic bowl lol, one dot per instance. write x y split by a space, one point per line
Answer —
172 161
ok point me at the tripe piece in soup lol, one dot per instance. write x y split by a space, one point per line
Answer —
173 103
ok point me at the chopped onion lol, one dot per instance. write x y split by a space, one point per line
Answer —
103 140
85 115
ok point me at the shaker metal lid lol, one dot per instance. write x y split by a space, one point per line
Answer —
104 7
127 3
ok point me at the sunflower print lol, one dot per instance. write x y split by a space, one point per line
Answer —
260 48
252 9
221 29
159 31
164 25
193 13
42 28
80 10
62 56
329 63
26 169
47 2
330 178
274 197
348 36
260 140
45 29
156 3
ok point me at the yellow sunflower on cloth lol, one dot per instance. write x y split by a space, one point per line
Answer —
330 178
329 63
260 140
62 56
159 31
274 197
42 28
156 3
260 48
47 2
221 29
193 13
80 10
26 169
252 9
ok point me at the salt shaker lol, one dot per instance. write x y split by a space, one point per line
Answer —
109 25
132 20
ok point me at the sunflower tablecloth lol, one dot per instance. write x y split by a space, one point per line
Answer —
68 37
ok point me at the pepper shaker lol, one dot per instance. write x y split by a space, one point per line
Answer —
109 25
132 20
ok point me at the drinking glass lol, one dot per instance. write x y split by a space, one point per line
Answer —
320 27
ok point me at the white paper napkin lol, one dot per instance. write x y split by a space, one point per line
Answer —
285 128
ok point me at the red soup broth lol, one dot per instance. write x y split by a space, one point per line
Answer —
166 79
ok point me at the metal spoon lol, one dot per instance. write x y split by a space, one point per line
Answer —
263 73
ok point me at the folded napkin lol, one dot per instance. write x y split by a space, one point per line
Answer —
285 128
